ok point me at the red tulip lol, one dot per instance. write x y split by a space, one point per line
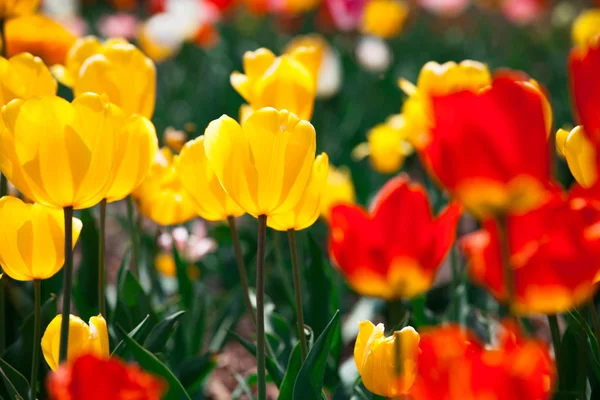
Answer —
584 69
395 250
490 149
92 378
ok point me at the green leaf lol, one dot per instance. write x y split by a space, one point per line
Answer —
160 334
272 368
86 281
183 280
309 383
227 318
135 334
286 390
318 273
133 304
572 361
150 363
193 372
15 383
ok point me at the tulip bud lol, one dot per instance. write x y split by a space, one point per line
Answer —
580 155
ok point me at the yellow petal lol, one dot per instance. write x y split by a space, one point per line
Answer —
384 18
339 189
581 157
79 340
34 76
99 337
586 28
257 62
366 329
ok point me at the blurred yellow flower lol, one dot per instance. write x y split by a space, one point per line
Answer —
384 18
165 264
32 246
161 196
307 210
202 185
579 153
83 339
137 145
436 80
387 145
300 6
115 67
15 8
38 35
377 357
586 28
24 76
287 82
338 189
265 164
58 153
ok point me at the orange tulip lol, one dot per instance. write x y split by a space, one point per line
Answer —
478 150
395 250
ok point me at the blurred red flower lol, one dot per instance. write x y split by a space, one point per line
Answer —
92 378
478 149
584 68
554 253
395 250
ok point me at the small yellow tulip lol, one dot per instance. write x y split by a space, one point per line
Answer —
586 28
24 76
338 189
579 153
115 67
161 196
384 18
377 357
14 8
57 153
307 210
202 185
33 244
137 145
287 82
83 339
265 164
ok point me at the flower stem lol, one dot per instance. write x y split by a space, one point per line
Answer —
298 292
37 288
260 308
133 228
241 267
595 321
67 284
555 332
508 272
3 192
101 264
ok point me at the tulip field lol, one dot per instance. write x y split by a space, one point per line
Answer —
299 199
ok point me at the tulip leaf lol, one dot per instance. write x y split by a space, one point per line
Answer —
150 363
227 318
135 333
162 332
133 304
193 372
183 280
321 294
286 390
309 384
86 280
273 369
572 361
15 383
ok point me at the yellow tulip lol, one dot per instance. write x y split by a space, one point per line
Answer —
387 145
58 153
161 196
14 8
24 76
265 164
38 35
437 80
586 28
287 82
115 67
202 185
307 210
384 18
377 357
137 145
83 339
32 246
338 189
580 155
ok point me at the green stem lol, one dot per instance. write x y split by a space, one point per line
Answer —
298 292
241 267
555 332
260 308
595 321
133 228
67 284
508 273
101 264
37 331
